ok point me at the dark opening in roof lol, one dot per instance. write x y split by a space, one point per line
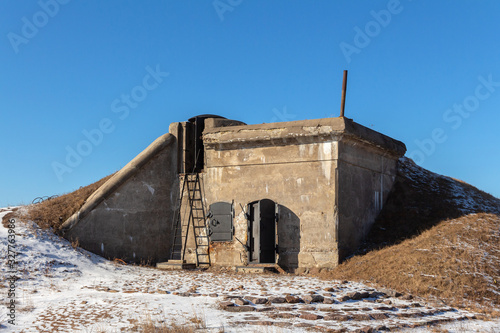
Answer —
204 116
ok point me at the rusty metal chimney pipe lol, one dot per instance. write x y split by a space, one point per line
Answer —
344 87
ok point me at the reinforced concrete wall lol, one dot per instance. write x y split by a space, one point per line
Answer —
130 217
366 174
298 177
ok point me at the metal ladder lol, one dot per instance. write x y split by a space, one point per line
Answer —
197 219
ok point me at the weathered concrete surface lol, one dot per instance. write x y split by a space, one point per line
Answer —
327 129
130 217
365 177
324 174
298 178
221 122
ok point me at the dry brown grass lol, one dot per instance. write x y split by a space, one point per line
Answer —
53 212
199 319
8 216
456 260
435 237
148 325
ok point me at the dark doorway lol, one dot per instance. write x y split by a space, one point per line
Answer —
262 218
198 125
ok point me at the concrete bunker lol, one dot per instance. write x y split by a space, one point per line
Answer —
297 194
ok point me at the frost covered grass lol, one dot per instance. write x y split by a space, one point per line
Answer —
462 262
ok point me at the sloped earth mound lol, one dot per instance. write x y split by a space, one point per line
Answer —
435 236
52 213
421 199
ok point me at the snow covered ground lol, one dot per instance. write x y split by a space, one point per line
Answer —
62 289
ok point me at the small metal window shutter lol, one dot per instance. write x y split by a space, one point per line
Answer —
220 224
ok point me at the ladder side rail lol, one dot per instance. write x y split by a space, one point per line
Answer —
178 222
202 218
207 254
190 220
195 222
187 233
196 219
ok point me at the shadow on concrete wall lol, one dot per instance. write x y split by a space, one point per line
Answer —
288 238
420 200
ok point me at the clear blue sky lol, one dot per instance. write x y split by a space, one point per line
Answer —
423 72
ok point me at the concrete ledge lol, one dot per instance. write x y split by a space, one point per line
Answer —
174 265
118 179
302 131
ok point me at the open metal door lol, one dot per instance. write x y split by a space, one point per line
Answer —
262 231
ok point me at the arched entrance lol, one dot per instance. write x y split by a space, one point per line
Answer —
262 238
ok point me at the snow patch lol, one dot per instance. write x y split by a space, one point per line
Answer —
57 281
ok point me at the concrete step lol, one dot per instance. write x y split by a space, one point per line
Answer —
259 268
176 261
169 265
